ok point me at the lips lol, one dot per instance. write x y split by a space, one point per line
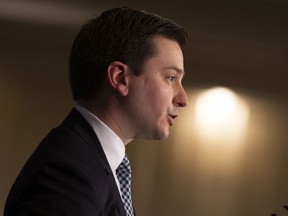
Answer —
171 119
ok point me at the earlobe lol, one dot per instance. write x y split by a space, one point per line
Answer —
117 77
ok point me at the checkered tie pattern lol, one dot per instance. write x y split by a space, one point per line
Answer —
124 177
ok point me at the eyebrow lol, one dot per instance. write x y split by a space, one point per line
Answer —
178 70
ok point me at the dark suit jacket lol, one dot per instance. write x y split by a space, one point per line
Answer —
68 174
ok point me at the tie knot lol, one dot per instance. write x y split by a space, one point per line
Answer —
124 167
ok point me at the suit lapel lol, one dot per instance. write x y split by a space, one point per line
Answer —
79 125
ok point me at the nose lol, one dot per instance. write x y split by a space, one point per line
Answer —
181 99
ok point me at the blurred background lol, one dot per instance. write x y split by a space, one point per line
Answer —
226 155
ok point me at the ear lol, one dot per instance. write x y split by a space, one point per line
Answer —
117 77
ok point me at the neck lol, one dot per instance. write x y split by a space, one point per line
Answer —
111 116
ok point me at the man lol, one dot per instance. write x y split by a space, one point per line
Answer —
126 68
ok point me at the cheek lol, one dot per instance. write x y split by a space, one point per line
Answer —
160 99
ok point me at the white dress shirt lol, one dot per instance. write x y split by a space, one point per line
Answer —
112 145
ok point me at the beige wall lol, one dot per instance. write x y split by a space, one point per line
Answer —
184 176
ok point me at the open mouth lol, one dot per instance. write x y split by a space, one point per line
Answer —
171 119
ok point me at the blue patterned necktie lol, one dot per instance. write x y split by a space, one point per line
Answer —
124 177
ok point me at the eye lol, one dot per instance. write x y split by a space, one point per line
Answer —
172 79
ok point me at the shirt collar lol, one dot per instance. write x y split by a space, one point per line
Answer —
112 145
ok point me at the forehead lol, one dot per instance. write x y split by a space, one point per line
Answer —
161 42
167 53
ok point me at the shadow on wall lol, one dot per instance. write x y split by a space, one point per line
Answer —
28 111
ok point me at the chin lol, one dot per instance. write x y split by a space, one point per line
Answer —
164 137
161 135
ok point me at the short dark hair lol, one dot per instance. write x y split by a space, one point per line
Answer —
119 34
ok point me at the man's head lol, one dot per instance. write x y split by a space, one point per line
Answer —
119 34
